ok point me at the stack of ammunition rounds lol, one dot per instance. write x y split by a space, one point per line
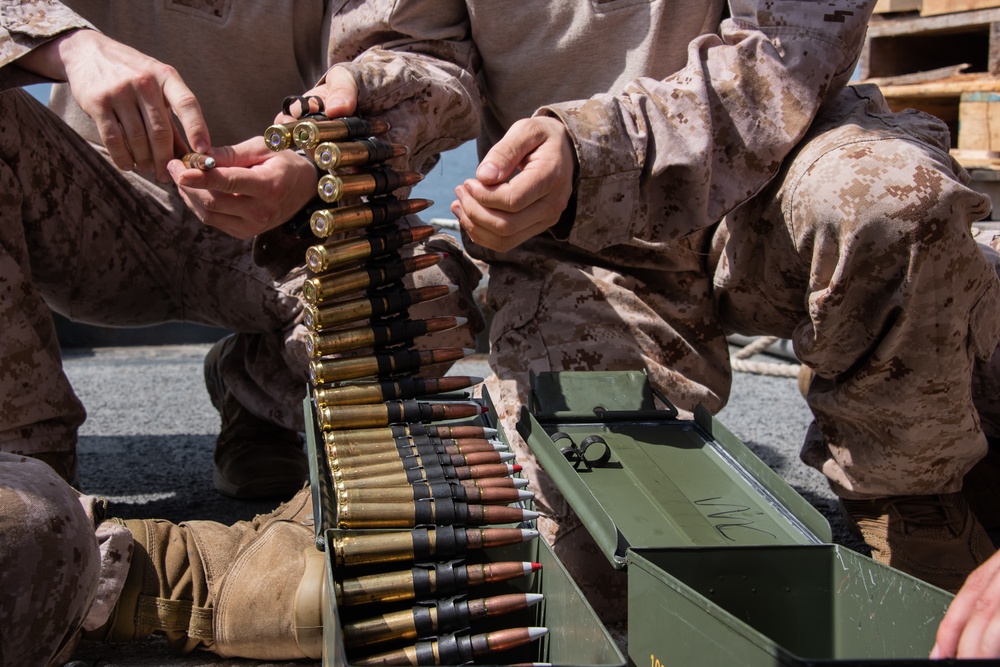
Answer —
423 491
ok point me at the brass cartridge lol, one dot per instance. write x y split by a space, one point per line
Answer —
382 364
376 464
339 254
443 512
432 618
198 161
321 289
333 154
334 187
319 344
457 649
375 453
434 491
278 137
434 580
361 393
366 307
308 134
334 417
351 478
329 221
421 544
367 435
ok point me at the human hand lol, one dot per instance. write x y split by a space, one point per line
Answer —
129 95
251 189
971 626
339 92
501 214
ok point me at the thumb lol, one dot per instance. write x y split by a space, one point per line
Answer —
505 156
339 92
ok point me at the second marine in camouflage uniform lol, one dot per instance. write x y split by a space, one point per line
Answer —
729 182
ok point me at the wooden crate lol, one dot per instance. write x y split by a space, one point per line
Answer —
936 7
907 44
943 99
979 122
893 6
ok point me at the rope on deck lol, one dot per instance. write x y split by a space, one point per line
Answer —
742 363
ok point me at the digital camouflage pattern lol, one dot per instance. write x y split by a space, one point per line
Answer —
864 246
840 219
25 25
113 248
736 186
199 584
102 246
52 564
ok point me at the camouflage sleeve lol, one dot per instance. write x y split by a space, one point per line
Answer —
665 158
415 66
26 25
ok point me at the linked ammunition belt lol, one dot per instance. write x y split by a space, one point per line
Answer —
423 490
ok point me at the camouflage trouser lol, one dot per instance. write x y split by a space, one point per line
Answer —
861 254
57 574
106 247
859 251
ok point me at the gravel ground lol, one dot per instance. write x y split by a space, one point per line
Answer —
147 446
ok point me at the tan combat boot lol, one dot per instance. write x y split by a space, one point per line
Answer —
253 458
804 379
936 538
251 590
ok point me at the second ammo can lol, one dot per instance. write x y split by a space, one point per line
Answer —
726 563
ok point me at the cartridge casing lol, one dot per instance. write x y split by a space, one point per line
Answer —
278 137
372 150
323 289
329 221
335 187
307 134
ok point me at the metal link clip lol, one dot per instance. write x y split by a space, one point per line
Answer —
286 106
577 454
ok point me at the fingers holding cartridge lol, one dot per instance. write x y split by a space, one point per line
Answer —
336 95
250 189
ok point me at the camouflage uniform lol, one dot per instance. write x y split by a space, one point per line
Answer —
98 245
65 569
728 182
53 564
113 248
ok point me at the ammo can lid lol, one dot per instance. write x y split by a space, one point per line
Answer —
638 476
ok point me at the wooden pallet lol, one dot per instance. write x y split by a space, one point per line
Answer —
893 6
907 44
948 66
936 7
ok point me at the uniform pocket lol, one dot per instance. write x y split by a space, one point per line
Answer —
984 322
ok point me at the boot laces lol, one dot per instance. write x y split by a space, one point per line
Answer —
916 512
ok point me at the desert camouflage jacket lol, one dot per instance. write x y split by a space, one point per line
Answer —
420 80
679 109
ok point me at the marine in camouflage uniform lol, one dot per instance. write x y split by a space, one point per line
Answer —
111 247
101 245
728 180
67 572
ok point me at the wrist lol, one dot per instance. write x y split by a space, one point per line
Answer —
49 59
